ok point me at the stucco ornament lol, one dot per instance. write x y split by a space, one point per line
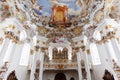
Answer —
21 16
99 16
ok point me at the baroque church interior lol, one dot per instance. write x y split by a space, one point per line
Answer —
59 40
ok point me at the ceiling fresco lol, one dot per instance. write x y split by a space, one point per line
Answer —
59 20
46 6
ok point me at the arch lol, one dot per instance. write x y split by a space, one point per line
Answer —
55 53
65 53
65 49
60 76
12 76
72 78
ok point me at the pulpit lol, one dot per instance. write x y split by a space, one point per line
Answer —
59 17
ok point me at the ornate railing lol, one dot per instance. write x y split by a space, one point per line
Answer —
60 66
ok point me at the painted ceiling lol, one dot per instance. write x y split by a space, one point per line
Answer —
84 16
46 5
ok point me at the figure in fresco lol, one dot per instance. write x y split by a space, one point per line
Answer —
73 9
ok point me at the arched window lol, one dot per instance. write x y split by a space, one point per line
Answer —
94 54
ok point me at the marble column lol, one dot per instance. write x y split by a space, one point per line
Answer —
79 66
87 66
33 68
41 66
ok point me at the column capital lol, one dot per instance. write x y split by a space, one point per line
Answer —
10 35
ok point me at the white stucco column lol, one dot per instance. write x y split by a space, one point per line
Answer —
4 45
69 52
33 65
116 48
50 52
1 45
9 50
112 55
110 50
79 66
41 66
87 66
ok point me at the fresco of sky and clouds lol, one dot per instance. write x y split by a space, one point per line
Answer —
46 6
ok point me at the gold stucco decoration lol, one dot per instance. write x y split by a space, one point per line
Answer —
77 30
31 52
1 40
19 42
19 32
42 30
108 26
109 1
21 16
112 8
99 16
12 26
